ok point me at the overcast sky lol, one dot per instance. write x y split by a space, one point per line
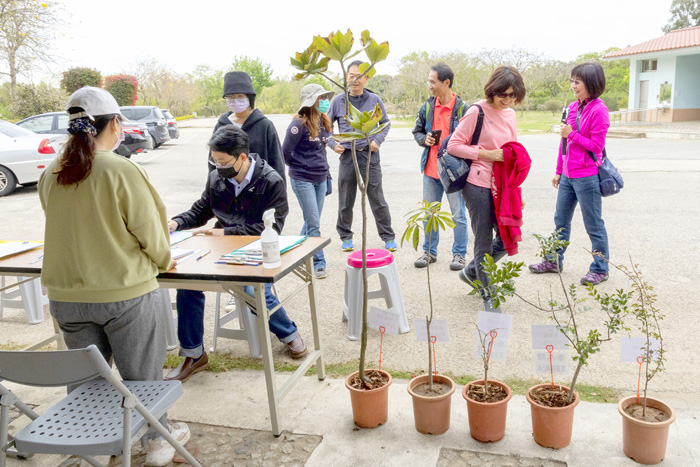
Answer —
181 34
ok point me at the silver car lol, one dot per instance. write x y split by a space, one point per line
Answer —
24 155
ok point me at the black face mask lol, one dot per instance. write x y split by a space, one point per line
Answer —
228 171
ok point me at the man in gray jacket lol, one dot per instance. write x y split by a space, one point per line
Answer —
364 100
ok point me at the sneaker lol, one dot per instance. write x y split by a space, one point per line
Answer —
593 278
159 452
347 245
320 273
423 261
390 245
231 305
458 262
466 277
545 266
490 307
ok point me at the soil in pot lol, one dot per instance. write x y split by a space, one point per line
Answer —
653 414
550 397
438 389
377 379
495 394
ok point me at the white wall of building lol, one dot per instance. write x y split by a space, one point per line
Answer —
686 90
665 72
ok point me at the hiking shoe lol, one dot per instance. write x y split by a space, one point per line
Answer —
320 273
423 261
347 245
390 245
458 262
159 452
490 307
545 266
593 278
231 305
466 277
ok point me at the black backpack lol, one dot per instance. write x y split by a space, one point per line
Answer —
453 171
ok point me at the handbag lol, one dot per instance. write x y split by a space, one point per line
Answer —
453 171
609 178
329 184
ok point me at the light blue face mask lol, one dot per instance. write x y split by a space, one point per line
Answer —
324 105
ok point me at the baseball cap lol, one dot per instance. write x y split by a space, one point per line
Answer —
310 93
94 102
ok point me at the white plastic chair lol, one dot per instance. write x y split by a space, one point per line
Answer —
247 326
28 295
94 419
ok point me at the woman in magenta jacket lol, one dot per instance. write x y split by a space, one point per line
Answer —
577 174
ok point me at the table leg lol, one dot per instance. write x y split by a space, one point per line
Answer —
320 366
264 337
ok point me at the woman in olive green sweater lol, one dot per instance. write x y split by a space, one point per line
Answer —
106 240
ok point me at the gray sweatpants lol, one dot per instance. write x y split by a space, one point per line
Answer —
129 332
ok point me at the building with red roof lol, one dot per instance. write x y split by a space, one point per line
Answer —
664 76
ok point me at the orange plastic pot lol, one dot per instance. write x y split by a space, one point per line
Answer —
552 426
645 442
432 414
487 421
370 408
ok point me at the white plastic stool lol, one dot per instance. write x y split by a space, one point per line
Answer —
29 295
171 342
380 262
247 326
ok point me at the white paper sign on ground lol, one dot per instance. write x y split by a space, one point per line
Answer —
547 334
377 317
438 328
632 348
502 324
560 362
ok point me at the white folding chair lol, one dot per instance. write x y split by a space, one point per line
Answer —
97 418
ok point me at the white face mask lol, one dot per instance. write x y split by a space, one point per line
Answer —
120 138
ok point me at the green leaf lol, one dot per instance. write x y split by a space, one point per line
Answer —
377 52
345 43
364 37
416 238
366 66
356 114
370 124
379 129
323 45
348 136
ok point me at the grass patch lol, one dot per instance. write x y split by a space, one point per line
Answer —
534 121
11 346
222 362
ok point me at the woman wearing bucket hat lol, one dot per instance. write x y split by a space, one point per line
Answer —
105 241
240 99
304 152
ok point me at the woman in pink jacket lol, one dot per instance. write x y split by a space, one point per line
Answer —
577 174
504 88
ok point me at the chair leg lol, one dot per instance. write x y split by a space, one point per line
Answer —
4 422
217 317
126 446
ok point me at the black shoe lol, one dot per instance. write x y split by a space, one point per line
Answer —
466 277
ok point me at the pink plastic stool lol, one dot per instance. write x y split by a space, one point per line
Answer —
379 261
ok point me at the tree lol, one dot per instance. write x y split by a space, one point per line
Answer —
211 87
123 88
684 14
26 29
32 100
75 78
260 72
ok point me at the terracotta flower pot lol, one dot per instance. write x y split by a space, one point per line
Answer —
552 426
487 421
645 442
432 414
370 408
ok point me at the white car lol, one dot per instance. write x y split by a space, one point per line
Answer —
24 155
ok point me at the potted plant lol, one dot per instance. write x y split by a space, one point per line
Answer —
552 407
645 422
487 401
366 386
431 393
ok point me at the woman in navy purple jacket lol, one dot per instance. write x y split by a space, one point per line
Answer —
304 152
577 174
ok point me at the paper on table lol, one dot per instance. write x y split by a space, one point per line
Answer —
176 253
287 242
179 236
8 248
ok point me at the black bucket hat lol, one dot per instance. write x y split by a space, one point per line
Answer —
238 82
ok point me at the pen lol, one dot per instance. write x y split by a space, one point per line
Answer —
37 260
203 255
240 263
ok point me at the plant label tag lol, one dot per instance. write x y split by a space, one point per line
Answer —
501 323
377 317
633 347
560 362
438 328
547 334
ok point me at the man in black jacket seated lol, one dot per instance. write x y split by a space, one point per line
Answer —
238 192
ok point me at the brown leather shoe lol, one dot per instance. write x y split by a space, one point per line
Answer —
297 348
187 368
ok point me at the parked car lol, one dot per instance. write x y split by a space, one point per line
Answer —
24 155
136 135
151 116
173 130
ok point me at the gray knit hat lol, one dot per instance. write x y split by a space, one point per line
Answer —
238 82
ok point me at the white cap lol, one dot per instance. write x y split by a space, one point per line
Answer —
94 102
310 93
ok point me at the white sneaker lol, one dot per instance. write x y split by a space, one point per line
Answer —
231 305
159 452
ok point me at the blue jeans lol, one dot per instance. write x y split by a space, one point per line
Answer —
190 321
433 191
585 192
311 197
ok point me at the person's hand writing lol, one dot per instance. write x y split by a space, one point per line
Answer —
429 140
210 232
555 181
173 264
374 146
339 148
495 155
172 225
565 130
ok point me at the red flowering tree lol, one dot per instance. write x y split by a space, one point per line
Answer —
123 88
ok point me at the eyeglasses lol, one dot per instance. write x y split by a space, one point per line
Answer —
507 95
575 81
